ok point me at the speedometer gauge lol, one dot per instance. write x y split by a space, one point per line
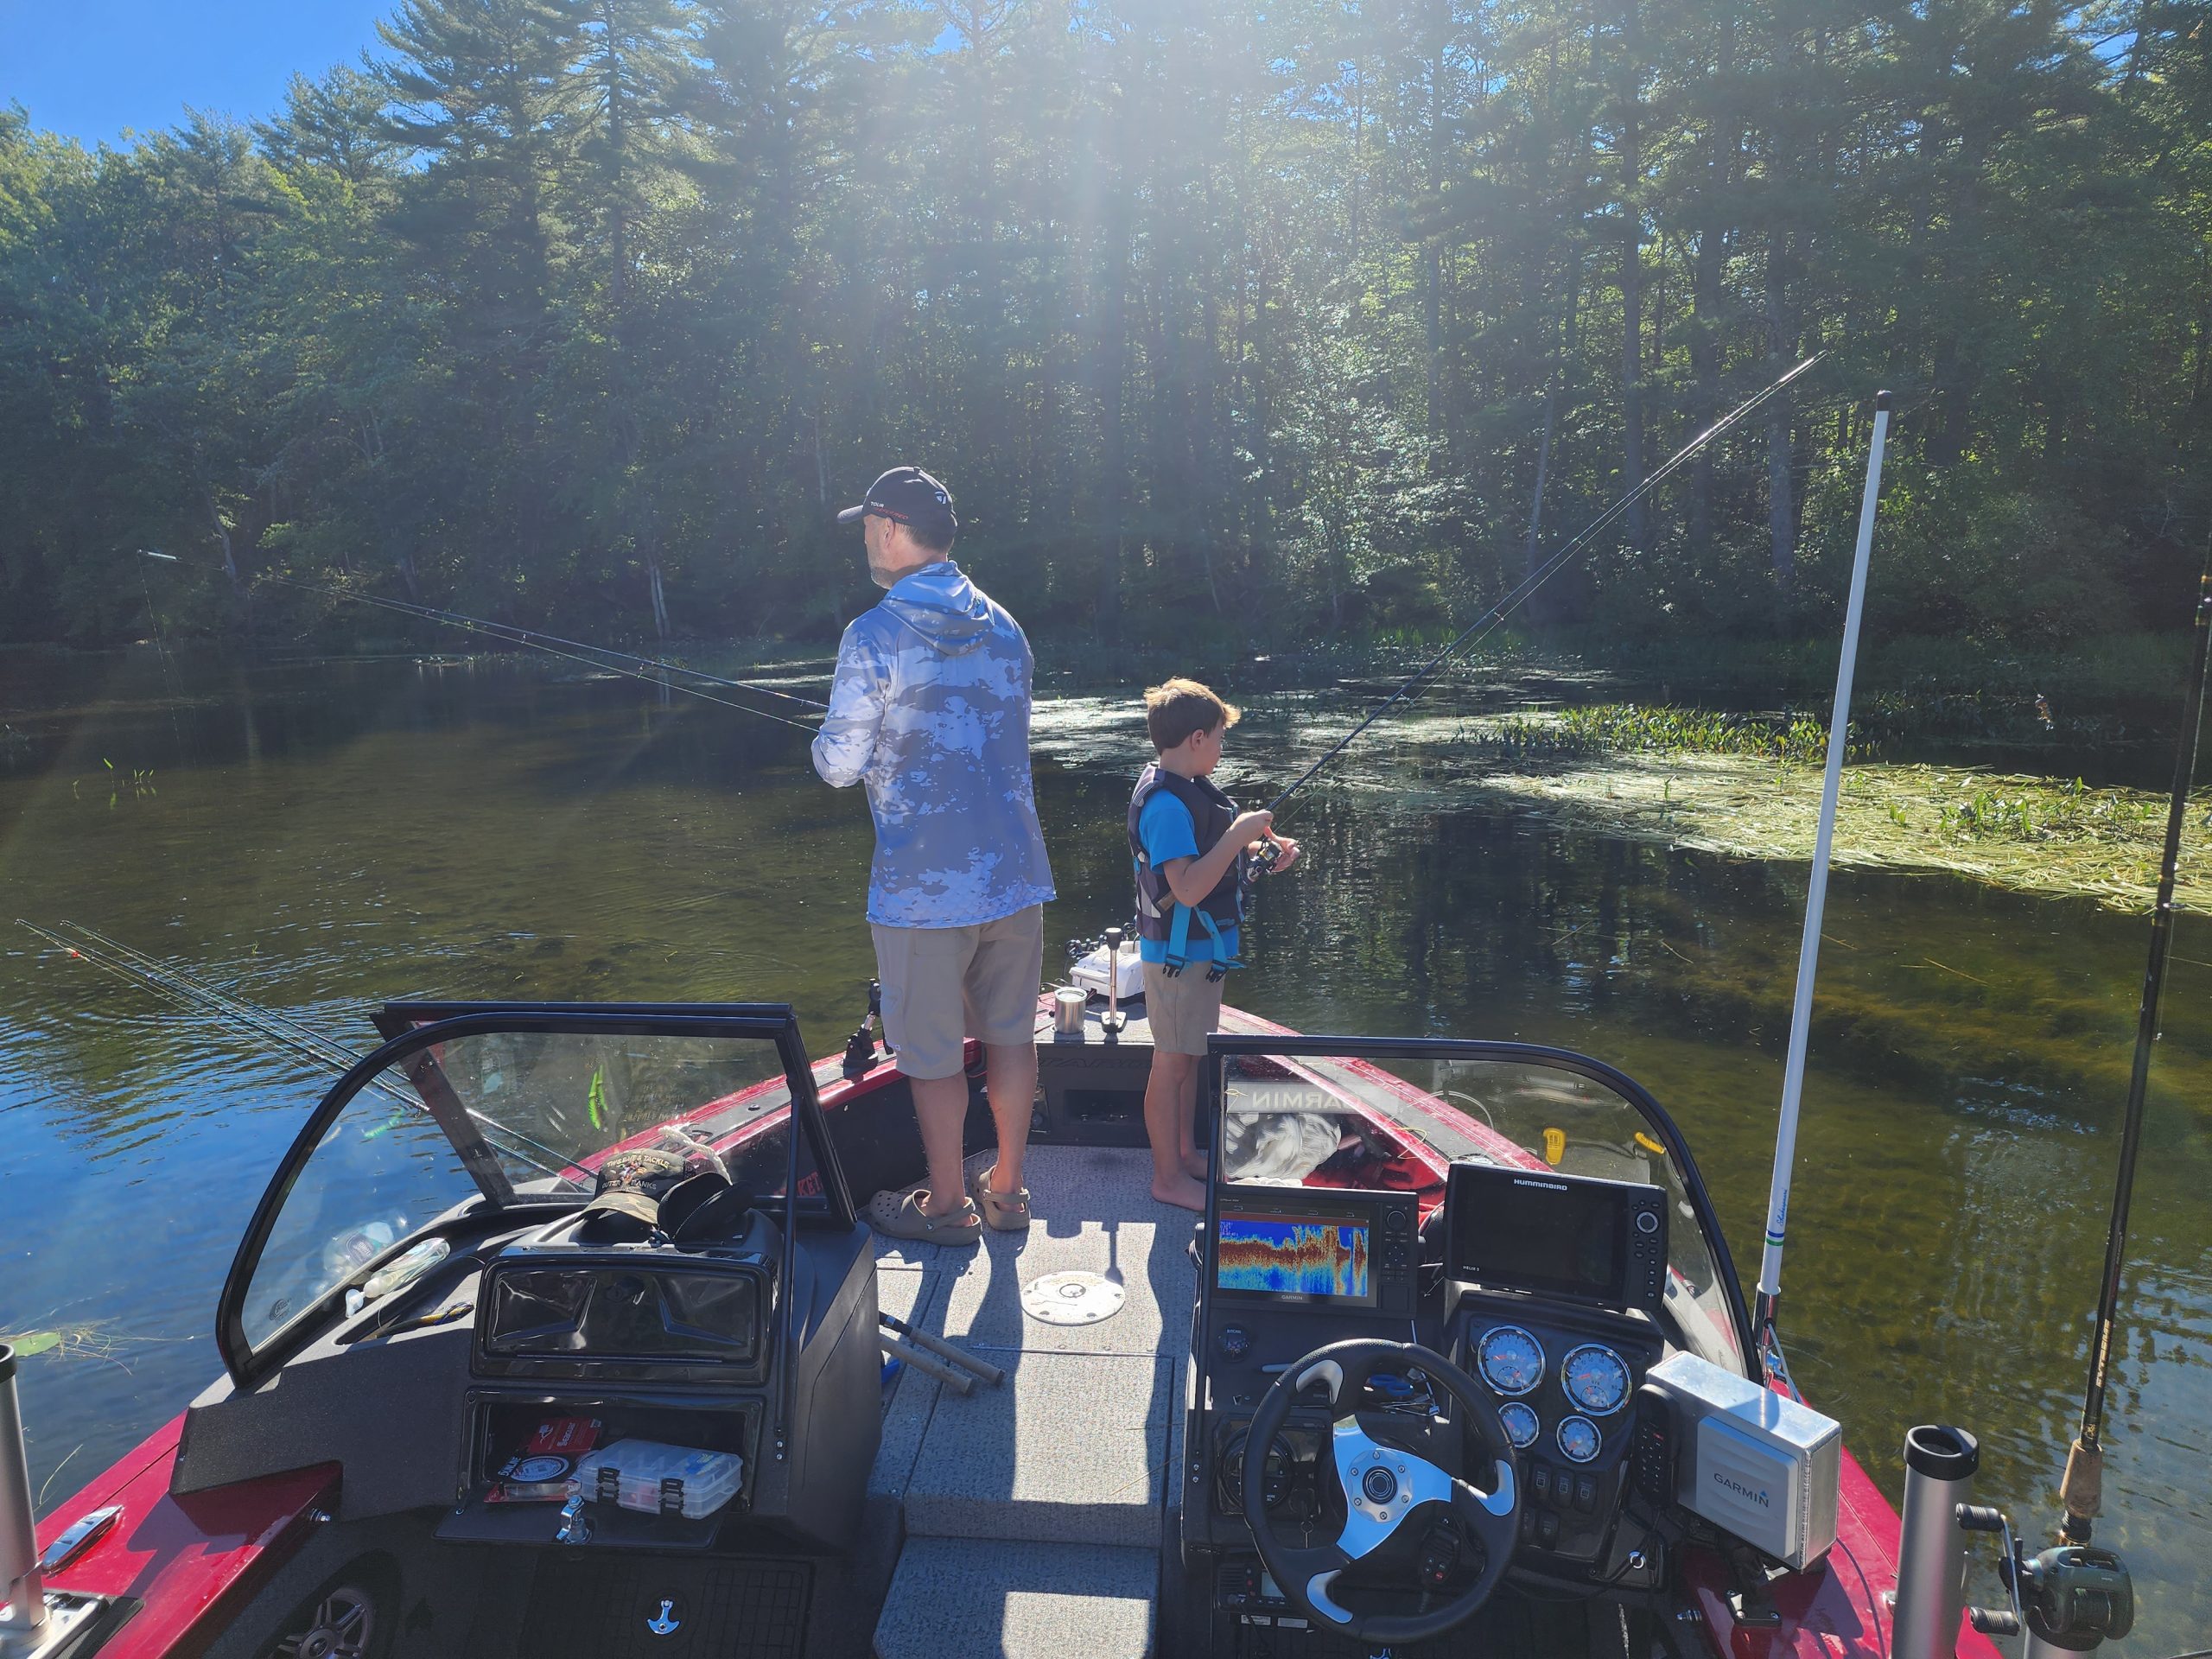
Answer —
1521 1424
1510 1360
1579 1439
1595 1378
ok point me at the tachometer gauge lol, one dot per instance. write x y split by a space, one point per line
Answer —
1579 1439
1510 1360
1521 1424
1595 1378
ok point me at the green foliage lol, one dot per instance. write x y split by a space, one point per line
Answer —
1287 327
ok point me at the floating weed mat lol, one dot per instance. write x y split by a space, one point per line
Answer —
2029 834
1618 728
84 1340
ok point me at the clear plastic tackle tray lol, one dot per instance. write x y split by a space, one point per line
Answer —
657 1479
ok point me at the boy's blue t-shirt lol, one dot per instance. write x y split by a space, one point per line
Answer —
1166 828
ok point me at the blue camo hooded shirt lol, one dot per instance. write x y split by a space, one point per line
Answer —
930 709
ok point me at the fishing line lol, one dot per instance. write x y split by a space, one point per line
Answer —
550 644
293 1035
1480 629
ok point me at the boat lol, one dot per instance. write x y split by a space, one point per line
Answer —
559 1330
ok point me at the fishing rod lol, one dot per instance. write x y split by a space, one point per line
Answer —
554 645
293 1035
2081 1489
1483 625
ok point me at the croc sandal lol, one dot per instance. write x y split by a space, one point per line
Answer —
897 1215
1008 1212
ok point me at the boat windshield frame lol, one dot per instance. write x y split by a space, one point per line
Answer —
412 1028
1222 1047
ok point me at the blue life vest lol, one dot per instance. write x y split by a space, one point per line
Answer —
1159 916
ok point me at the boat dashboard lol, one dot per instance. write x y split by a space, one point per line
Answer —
1477 1325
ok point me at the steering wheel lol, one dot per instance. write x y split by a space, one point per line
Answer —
1383 1487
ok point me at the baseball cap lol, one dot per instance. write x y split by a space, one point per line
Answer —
632 1182
909 496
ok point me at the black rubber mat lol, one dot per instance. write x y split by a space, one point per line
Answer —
667 1607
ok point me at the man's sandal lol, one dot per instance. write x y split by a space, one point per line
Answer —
901 1215
1008 1212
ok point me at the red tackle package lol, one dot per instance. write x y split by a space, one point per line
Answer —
538 1471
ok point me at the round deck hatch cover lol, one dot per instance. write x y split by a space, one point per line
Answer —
1072 1298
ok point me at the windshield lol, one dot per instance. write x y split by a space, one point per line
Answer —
502 1108
1396 1120
550 1104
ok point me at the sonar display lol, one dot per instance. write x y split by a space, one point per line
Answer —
1294 1258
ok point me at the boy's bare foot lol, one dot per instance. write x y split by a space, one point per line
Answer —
1179 1190
1195 1165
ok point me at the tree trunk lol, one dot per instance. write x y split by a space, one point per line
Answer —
1632 172
1781 514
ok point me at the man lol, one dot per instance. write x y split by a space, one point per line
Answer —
930 709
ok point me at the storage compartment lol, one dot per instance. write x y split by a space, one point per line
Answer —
514 1440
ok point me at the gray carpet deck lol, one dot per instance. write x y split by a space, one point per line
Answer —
1000 1600
1072 1456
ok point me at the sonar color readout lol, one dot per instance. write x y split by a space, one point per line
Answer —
1294 1258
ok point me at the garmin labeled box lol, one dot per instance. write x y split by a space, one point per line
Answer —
1754 1462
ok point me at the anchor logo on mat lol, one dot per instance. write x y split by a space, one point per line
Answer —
664 1622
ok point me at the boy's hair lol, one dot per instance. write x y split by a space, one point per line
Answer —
1174 711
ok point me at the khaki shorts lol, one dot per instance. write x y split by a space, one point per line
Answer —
1184 1009
943 985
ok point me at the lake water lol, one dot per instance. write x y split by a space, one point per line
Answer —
321 837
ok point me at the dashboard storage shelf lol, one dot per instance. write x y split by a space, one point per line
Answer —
504 1427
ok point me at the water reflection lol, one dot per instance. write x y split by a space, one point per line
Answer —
319 839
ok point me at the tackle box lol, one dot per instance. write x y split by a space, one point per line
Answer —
659 1479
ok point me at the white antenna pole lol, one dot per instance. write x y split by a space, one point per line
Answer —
1816 895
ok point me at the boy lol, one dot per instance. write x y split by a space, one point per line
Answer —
1185 838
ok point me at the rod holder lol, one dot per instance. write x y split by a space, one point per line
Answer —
1113 1019
1940 1463
24 1584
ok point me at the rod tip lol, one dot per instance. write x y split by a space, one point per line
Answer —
1881 401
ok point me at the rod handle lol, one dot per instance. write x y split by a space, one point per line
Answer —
1979 1517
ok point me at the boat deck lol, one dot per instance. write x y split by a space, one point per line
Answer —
1033 1511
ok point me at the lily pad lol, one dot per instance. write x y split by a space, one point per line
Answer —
35 1342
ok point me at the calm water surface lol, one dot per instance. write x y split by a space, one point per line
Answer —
320 838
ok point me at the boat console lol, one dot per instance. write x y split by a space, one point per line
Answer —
1410 1389
628 1294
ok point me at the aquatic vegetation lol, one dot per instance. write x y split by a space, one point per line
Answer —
2028 833
1615 727
73 1339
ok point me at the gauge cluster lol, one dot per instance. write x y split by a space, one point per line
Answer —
1565 1385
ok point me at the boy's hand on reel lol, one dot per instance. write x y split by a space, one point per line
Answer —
1250 827
1286 853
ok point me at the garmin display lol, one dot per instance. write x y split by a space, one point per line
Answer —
1559 1235
1349 1250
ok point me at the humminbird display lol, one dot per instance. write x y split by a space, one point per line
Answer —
1294 1258
1557 1234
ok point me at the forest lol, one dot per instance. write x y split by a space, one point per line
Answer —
1254 324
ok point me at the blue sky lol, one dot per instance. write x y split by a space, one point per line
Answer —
90 68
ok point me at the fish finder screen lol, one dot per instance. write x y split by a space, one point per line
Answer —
1322 1257
1534 1232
